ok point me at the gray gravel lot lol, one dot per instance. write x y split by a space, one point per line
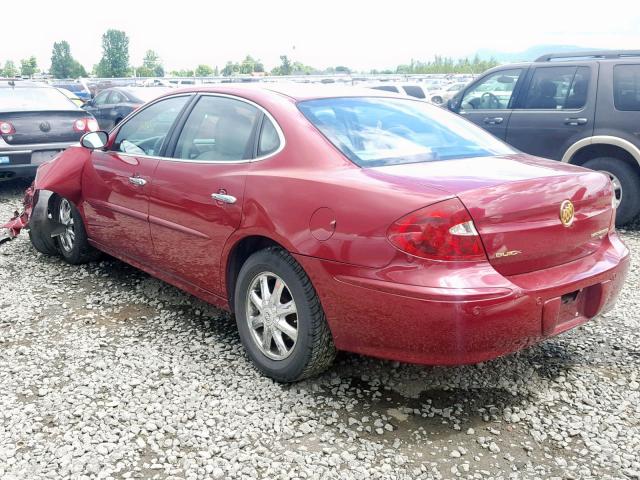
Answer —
106 372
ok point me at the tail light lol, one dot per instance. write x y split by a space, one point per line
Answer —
6 128
85 125
443 231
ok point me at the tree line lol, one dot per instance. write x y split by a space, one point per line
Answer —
115 63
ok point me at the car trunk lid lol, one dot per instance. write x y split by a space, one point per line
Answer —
34 127
515 203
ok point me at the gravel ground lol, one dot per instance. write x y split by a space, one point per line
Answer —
106 372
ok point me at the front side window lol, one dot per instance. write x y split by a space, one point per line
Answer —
493 92
626 87
218 129
145 133
557 88
374 132
101 99
117 97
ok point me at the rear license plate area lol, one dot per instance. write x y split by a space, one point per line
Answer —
43 156
4 160
570 305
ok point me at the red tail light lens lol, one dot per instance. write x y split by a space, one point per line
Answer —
85 125
443 231
6 128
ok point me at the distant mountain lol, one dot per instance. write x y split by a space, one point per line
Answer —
529 54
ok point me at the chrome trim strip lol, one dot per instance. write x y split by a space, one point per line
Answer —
15 152
206 162
96 204
176 226
602 139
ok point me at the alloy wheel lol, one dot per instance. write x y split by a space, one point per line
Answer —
68 237
272 316
617 187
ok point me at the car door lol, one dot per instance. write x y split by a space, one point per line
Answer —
117 180
488 102
555 110
111 111
197 196
96 107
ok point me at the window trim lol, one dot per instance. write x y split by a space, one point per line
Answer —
181 120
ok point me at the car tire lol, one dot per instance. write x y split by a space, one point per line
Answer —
628 178
73 244
41 241
313 349
437 100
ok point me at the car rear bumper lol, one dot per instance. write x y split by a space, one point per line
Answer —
449 326
23 160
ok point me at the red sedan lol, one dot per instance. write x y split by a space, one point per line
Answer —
332 219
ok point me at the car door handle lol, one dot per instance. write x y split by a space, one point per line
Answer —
223 197
575 121
493 120
137 181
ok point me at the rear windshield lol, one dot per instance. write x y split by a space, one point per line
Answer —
72 87
374 132
37 98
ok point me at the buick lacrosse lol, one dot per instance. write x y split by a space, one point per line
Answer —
337 219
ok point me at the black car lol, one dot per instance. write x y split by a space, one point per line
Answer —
113 104
37 122
582 108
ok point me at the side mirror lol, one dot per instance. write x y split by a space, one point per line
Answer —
505 79
94 140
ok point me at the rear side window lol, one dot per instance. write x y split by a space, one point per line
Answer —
218 129
269 139
626 87
414 91
557 88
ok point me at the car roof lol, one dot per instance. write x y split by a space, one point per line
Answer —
22 84
294 91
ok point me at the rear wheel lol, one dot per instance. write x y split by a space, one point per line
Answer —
280 320
72 242
626 184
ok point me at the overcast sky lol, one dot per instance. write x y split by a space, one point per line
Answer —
321 33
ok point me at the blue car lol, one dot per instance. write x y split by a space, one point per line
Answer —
79 89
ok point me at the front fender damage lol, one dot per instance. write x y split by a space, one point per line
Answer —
62 176
19 220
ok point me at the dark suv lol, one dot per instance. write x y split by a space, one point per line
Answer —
581 108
